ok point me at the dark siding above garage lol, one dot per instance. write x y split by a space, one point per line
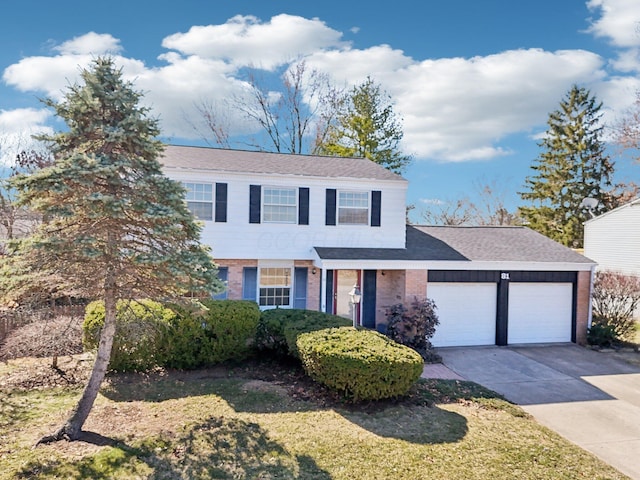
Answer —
475 276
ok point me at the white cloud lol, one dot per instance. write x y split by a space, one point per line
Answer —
246 41
52 74
619 21
459 109
90 44
454 109
16 128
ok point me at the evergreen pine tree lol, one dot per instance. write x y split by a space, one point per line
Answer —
572 166
117 228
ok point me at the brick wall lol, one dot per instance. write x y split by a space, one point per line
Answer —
313 284
415 285
234 279
390 288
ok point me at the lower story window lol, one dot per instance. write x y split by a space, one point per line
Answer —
275 287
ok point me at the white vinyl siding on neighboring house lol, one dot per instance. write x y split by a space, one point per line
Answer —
279 205
612 240
199 198
353 208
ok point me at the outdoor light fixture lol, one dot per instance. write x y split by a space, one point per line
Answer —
355 295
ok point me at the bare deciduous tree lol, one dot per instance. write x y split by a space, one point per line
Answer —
288 117
615 300
488 208
627 130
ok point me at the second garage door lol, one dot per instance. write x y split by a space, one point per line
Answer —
467 313
540 312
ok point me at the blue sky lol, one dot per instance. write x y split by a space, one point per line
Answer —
473 81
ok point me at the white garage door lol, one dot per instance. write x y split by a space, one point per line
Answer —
540 312
467 313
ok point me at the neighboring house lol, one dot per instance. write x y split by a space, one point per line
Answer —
297 231
613 239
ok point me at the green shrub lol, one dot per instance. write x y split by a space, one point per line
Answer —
141 329
223 331
279 328
602 335
362 364
270 331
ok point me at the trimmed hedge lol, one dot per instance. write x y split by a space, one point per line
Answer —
149 334
362 364
279 328
141 329
224 331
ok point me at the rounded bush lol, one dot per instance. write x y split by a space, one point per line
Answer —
362 364
279 328
223 330
141 329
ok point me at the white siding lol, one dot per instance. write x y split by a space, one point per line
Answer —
613 240
239 239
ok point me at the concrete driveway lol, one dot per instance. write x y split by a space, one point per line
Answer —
590 398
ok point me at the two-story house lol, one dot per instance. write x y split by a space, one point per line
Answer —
299 231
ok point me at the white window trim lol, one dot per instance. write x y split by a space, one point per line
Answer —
368 193
276 264
212 201
279 187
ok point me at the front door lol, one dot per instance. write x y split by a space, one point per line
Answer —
344 281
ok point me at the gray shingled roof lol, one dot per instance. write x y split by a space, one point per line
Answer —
498 244
222 160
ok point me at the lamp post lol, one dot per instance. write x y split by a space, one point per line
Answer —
355 296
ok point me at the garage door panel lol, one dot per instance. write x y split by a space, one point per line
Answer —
540 312
467 313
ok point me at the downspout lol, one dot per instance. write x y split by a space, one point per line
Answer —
323 289
590 313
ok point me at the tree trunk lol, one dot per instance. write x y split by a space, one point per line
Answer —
72 428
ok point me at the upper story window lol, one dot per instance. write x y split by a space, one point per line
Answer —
353 208
200 199
279 205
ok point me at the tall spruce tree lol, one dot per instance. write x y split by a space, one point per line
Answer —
572 166
365 125
118 229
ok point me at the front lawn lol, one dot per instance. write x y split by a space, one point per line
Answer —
266 420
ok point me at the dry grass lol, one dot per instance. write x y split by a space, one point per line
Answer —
266 421
46 337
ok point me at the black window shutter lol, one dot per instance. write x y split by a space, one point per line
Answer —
329 292
368 318
221 202
254 203
376 203
331 207
303 206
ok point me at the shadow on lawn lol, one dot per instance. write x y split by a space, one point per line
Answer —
215 448
13 410
414 418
